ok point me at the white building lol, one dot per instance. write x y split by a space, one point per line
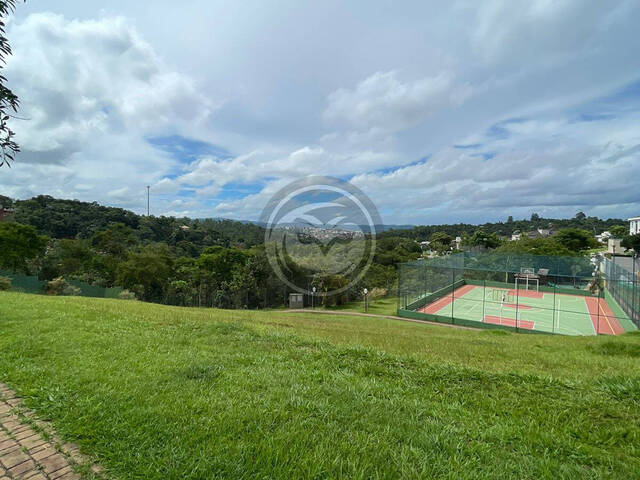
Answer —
634 226
613 245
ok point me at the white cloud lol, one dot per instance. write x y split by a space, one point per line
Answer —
91 92
382 101
350 89
560 174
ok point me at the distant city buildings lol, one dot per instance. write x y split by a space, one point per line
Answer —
538 233
634 226
324 233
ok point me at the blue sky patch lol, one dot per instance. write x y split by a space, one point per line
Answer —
188 149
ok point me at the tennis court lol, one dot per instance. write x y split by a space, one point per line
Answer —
580 295
528 310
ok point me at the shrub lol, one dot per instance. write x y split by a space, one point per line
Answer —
5 283
59 286
377 292
126 295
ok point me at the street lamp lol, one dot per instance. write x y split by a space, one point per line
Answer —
365 300
313 293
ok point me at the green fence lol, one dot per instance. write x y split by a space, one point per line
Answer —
31 284
622 288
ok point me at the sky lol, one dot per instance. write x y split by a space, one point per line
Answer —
441 112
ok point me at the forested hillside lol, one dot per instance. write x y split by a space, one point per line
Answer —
222 263
181 261
594 225
74 219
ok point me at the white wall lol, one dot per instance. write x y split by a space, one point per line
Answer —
614 242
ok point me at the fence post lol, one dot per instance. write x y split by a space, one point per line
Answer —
598 317
484 296
517 303
633 290
424 280
553 311
399 291
453 291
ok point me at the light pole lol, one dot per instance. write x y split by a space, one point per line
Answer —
634 285
148 187
365 300
313 294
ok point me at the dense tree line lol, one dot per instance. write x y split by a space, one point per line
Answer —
74 219
220 263
181 261
593 225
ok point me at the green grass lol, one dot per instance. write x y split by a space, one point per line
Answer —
157 392
379 306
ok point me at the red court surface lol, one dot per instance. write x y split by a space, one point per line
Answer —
444 301
526 293
598 315
602 318
509 322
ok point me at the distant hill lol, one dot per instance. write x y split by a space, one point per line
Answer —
63 218
506 229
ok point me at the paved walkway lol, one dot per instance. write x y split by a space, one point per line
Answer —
27 454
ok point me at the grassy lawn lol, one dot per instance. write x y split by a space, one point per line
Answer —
156 392
379 306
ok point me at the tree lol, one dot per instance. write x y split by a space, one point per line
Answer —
66 258
535 217
575 239
535 246
632 242
19 244
510 219
619 231
580 216
481 238
440 241
8 100
147 272
115 240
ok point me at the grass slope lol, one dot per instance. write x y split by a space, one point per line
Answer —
157 392
379 306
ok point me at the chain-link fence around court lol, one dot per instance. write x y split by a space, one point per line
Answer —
622 287
529 293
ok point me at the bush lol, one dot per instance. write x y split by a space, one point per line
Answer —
59 286
126 295
5 283
377 292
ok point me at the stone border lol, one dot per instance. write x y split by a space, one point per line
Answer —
30 449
